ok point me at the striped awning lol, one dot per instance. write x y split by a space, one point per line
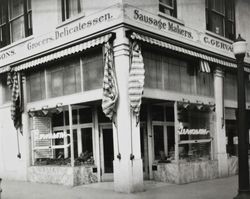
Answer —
4 69
164 44
204 66
65 52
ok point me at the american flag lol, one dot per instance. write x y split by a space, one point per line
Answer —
110 90
136 79
16 109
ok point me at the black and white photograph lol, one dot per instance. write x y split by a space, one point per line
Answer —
124 99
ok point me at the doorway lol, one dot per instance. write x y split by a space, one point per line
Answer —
107 152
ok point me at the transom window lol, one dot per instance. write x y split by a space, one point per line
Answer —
74 75
220 17
15 21
168 7
71 8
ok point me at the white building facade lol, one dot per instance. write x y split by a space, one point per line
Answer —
187 127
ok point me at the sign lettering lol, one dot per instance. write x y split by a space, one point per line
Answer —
162 25
182 131
49 136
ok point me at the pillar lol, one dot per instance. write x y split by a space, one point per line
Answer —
128 174
26 129
220 135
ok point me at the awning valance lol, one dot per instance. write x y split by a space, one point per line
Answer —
4 69
65 52
173 47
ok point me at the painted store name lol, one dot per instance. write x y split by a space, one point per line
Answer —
182 131
218 44
49 136
7 54
181 30
161 25
58 34
67 31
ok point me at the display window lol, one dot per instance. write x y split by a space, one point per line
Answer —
51 138
194 132
176 74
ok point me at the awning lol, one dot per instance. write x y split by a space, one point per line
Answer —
65 52
204 66
164 44
4 69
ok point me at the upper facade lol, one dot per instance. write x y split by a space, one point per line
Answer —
31 27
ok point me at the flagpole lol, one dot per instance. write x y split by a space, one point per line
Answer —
18 146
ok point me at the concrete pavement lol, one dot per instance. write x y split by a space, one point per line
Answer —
224 188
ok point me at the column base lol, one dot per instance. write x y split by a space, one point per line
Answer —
222 165
243 194
128 176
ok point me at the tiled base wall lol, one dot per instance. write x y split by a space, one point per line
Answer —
186 172
69 176
232 166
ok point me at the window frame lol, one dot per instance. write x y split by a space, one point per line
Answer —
66 10
164 124
172 9
6 36
227 20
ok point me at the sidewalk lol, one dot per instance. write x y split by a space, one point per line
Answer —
225 188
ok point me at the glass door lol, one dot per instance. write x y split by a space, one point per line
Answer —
107 152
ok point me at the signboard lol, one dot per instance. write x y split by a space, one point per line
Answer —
176 31
110 17
70 32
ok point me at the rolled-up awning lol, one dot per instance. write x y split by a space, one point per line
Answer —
64 52
204 66
176 48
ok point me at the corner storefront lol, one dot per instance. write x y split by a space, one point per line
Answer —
184 133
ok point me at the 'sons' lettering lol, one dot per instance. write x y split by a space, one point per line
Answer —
7 54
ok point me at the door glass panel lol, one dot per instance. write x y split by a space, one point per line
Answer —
87 146
171 141
108 150
158 141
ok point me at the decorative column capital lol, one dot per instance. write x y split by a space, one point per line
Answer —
121 43
218 72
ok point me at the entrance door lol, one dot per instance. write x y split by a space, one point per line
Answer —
107 153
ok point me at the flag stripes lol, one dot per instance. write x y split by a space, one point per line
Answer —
110 89
13 83
136 79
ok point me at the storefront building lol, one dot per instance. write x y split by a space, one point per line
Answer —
65 61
